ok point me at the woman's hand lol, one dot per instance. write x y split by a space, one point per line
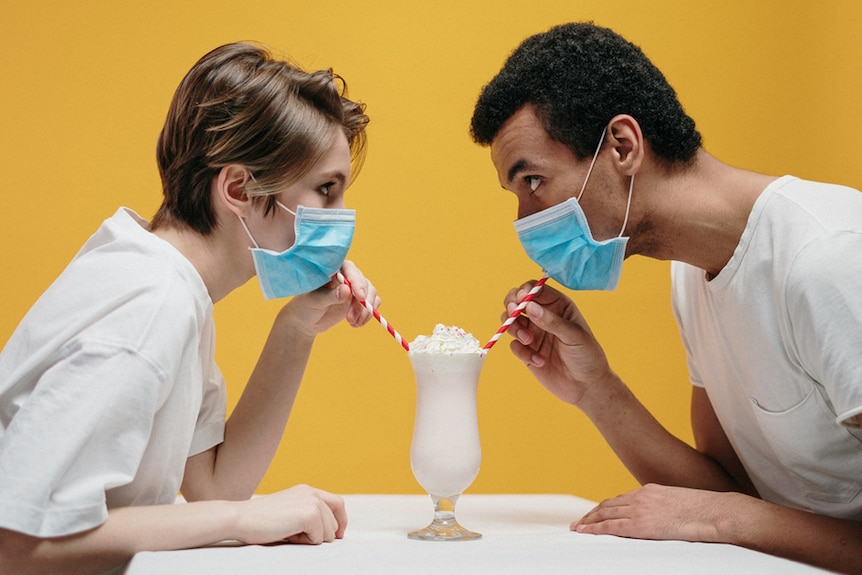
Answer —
315 312
301 514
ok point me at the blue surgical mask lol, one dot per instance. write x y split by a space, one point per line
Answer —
323 237
559 239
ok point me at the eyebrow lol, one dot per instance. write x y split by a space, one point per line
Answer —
519 166
341 177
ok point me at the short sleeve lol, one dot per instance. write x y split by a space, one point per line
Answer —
681 276
209 428
81 432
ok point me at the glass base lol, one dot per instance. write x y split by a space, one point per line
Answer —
444 527
444 531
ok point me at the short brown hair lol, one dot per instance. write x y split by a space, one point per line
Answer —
239 105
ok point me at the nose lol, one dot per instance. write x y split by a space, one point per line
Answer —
524 210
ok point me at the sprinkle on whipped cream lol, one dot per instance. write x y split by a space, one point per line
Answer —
446 339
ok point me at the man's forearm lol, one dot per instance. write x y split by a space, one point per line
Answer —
827 542
644 446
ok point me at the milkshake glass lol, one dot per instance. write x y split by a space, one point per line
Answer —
445 452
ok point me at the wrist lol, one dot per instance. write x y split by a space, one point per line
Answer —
602 393
739 516
292 328
231 516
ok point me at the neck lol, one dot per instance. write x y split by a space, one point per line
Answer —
696 215
221 258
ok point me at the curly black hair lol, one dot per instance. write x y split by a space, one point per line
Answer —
579 76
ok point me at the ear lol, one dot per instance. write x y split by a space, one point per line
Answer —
229 189
627 143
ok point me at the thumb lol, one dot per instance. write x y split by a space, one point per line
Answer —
341 293
551 323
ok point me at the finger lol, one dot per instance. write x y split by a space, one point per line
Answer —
526 354
618 527
363 315
314 529
605 513
328 524
516 295
299 539
568 332
338 509
511 296
373 297
357 315
604 518
341 293
527 286
522 333
584 518
358 283
524 344
549 294
521 322
576 525
329 294
521 328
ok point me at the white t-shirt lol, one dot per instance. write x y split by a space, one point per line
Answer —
776 341
107 385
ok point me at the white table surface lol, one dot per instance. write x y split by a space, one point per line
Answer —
521 534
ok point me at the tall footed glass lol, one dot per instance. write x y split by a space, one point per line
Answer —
445 453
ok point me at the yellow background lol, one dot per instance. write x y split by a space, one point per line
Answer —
773 85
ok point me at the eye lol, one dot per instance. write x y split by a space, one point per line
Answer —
326 188
534 182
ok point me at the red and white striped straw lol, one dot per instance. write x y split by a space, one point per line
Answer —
376 314
516 312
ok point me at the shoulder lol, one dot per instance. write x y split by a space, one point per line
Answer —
811 232
829 260
124 262
126 287
824 205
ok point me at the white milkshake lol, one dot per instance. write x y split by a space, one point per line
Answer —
445 453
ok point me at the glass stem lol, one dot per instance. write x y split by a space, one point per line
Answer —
444 509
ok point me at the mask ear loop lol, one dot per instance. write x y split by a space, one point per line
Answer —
245 227
590 170
283 207
593 163
628 206
242 220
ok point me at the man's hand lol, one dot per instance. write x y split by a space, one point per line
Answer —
553 339
661 512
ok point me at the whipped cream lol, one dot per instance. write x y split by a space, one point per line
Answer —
446 339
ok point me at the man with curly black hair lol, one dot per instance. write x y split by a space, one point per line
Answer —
605 163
